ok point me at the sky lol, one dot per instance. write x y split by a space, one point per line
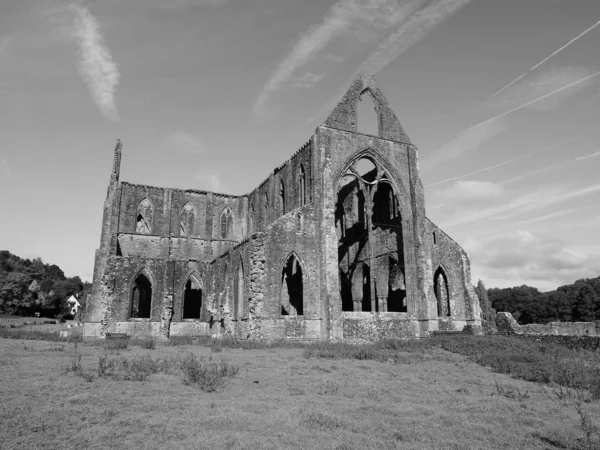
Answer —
502 98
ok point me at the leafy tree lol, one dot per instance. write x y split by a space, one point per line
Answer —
28 286
579 301
487 312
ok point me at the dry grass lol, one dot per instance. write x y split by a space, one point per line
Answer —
424 398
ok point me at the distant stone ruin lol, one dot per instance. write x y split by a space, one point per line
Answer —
334 244
506 323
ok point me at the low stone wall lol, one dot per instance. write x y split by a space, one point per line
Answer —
506 323
572 342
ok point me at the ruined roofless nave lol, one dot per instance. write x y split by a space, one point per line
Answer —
334 244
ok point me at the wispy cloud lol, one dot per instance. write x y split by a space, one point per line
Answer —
523 257
472 190
5 168
530 102
307 80
465 142
208 179
550 167
553 215
178 4
184 142
96 65
556 52
531 201
544 83
411 30
510 161
588 156
338 20
4 43
416 24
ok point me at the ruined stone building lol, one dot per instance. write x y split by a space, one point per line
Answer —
334 244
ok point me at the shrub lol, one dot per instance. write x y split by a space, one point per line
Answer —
206 375
115 344
147 343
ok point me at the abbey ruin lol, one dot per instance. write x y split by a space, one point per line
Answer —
334 244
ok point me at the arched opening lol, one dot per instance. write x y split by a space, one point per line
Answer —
266 209
226 223
369 231
385 206
281 198
144 216
187 217
396 297
366 115
192 298
302 186
434 238
442 295
292 301
239 292
141 297
251 219
366 169
299 223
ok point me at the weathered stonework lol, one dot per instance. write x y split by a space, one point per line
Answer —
507 324
334 244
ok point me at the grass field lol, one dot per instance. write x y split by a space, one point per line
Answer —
407 395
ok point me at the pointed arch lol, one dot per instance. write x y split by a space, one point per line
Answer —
281 197
292 286
369 226
226 222
140 306
251 225
265 209
187 219
239 290
343 117
442 293
192 296
302 185
367 113
144 216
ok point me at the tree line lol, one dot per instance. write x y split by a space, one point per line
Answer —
28 286
577 302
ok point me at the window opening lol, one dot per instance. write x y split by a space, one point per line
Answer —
192 299
370 241
440 287
281 197
366 115
302 186
144 217
292 288
187 217
141 297
226 223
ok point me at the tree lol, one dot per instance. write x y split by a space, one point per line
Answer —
487 312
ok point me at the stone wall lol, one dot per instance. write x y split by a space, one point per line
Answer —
246 253
506 323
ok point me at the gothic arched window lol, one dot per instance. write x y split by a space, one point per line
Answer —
187 217
144 216
226 223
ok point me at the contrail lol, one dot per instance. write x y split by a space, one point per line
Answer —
547 58
534 152
531 102
551 167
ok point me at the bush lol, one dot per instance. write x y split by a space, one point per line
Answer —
206 375
115 344
147 343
